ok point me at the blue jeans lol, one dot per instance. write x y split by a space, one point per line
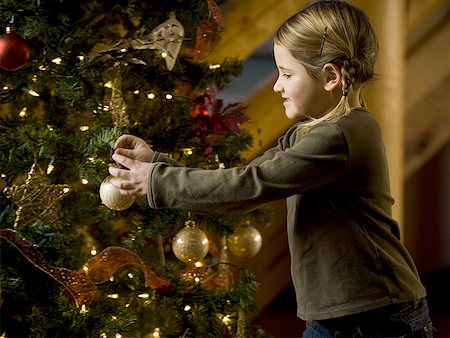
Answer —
409 319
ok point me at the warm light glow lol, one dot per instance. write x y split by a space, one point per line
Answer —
187 308
157 332
197 279
85 268
143 295
5 88
84 181
33 93
108 84
84 128
103 335
226 320
50 169
42 67
151 96
81 57
66 190
118 335
93 252
34 78
113 295
23 112
114 318
3 175
188 151
57 60
83 309
123 50
136 92
130 275
163 54
198 264
216 66
169 96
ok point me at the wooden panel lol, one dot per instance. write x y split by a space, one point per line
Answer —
428 105
249 23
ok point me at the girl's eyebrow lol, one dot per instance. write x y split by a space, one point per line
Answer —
283 68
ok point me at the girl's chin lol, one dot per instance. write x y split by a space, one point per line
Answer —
293 115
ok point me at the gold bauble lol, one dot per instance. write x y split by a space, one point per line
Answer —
190 244
112 198
245 241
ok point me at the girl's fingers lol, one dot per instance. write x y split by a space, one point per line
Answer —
123 160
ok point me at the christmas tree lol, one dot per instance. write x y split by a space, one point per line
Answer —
77 258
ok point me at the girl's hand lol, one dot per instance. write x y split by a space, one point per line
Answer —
134 148
133 178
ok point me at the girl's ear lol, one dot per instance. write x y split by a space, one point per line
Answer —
332 76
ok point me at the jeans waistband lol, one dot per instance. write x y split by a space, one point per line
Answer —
375 315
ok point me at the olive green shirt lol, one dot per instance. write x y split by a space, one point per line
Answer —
346 256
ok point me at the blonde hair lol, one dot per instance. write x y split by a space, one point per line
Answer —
332 31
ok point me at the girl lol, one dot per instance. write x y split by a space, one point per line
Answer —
352 275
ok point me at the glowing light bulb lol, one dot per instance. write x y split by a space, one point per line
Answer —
84 128
113 296
83 309
50 169
108 84
57 60
169 97
23 112
144 295
226 319
33 93
151 96
215 66
187 308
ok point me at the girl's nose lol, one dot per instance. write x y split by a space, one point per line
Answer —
277 87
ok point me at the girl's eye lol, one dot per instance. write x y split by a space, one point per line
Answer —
287 76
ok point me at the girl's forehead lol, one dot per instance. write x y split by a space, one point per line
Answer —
283 57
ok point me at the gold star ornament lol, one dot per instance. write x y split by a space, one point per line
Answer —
36 199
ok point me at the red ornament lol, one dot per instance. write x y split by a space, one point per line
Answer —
14 51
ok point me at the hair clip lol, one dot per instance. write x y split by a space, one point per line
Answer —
323 39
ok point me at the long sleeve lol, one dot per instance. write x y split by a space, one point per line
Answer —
299 163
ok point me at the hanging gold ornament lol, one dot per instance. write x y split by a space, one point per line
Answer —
117 105
190 244
245 241
36 199
112 198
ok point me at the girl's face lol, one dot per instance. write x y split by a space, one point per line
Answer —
303 94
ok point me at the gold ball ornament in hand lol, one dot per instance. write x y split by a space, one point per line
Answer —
112 198
190 244
245 241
